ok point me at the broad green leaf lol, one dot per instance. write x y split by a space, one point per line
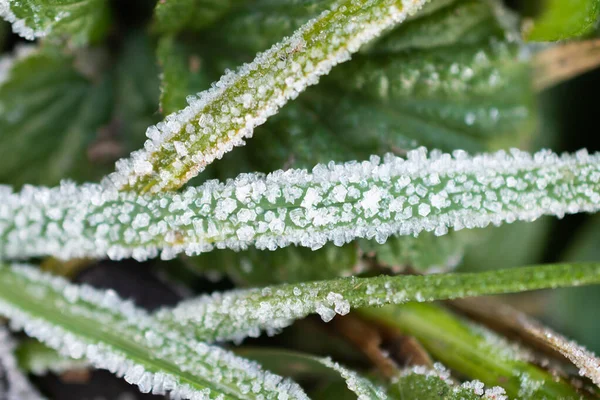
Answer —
514 245
136 91
175 15
49 115
562 20
223 116
253 267
84 323
81 21
241 313
425 253
336 203
450 78
182 73
473 351
13 383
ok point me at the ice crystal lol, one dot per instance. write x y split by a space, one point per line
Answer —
13 383
114 327
336 202
363 388
19 25
222 117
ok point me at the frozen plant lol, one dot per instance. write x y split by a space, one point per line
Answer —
384 138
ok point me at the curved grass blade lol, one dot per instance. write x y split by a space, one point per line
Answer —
222 117
81 322
241 313
334 203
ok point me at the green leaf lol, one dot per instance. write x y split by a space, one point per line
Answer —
514 245
226 114
81 322
561 20
241 313
50 113
136 90
254 267
182 73
473 351
425 253
174 15
81 21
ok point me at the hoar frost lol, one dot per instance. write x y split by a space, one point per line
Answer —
334 203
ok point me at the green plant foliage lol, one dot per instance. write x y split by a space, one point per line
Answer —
241 313
254 267
175 15
81 322
473 351
562 20
50 115
81 21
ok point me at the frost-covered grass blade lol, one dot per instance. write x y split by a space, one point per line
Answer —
334 203
222 117
241 313
84 323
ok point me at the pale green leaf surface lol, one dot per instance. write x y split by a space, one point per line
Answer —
82 21
561 20
241 313
49 115
84 323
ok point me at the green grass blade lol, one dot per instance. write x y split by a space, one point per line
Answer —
334 203
237 314
84 323
222 117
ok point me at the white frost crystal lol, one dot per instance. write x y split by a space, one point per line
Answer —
212 124
13 383
337 203
114 327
